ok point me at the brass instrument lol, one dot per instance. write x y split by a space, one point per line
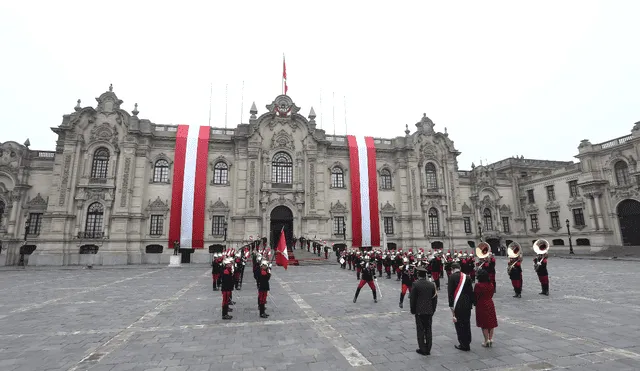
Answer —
514 251
540 247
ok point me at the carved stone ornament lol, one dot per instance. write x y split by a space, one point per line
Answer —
338 208
466 209
531 209
37 203
103 132
282 139
487 202
576 202
624 192
283 106
157 207
552 206
388 208
505 210
217 208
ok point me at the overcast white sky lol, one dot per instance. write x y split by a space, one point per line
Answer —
504 78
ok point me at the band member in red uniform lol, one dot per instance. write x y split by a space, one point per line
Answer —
227 288
387 262
435 267
359 263
447 264
398 265
514 269
408 276
378 258
368 277
239 265
541 247
263 287
216 268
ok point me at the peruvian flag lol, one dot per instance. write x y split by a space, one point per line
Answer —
189 186
282 256
365 223
284 75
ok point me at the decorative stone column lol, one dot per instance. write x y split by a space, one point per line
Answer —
598 213
13 217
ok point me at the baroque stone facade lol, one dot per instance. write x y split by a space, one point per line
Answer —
107 189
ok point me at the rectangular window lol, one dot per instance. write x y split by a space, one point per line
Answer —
573 189
534 221
338 225
157 224
35 222
578 217
551 193
218 225
388 225
467 224
505 224
530 196
555 220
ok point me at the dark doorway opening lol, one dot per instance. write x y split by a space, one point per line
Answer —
437 245
185 255
392 246
339 247
495 245
216 248
629 218
281 218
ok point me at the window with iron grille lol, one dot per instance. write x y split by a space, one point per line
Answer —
220 173
385 179
161 171
35 221
534 221
218 226
578 217
505 224
2 207
157 224
434 222
95 218
622 172
551 193
100 165
555 220
337 177
432 177
467 224
530 196
573 189
388 224
488 220
282 169
338 225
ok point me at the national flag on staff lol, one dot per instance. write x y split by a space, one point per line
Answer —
189 186
365 222
284 75
282 256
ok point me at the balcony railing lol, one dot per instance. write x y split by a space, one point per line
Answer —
437 234
91 235
615 142
97 180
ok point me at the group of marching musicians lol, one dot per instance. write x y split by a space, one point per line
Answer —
405 265
227 272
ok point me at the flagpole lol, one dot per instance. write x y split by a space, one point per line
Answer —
345 116
226 105
210 97
242 102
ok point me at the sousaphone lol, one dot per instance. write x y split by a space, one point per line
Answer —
483 250
541 247
514 250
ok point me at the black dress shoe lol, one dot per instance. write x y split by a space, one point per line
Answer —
460 347
422 352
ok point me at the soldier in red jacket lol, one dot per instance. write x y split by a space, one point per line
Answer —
263 287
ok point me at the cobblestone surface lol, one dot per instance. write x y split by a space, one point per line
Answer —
169 319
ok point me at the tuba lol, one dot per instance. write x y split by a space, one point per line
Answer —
540 247
483 250
515 253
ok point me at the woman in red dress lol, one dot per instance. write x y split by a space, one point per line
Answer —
485 310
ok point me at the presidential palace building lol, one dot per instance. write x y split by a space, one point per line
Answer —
121 189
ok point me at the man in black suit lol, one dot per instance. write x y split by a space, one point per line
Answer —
423 301
461 301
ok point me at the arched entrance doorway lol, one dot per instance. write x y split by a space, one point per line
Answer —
281 217
495 245
629 218
437 245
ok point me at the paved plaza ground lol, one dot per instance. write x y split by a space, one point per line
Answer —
160 318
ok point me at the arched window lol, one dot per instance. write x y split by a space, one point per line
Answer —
488 220
161 171
282 169
432 178
622 173
434 222
221 173
337 177
95 218
385 179
2 207
100 164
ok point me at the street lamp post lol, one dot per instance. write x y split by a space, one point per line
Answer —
569 233
344 230
480 230
27 224
225 230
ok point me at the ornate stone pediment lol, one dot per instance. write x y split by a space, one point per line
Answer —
575 202
104 132
487 202
157 207
283 106
95 194
552 206
37 203
218 206
531 209
621 192
466 209
429 203
388 208
505 210
282 139
338 164
338 208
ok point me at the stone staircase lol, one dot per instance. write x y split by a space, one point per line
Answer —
304 257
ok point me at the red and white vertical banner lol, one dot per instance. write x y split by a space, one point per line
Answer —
365 216
285 88
188 195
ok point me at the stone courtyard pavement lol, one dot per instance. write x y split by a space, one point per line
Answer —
159 318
